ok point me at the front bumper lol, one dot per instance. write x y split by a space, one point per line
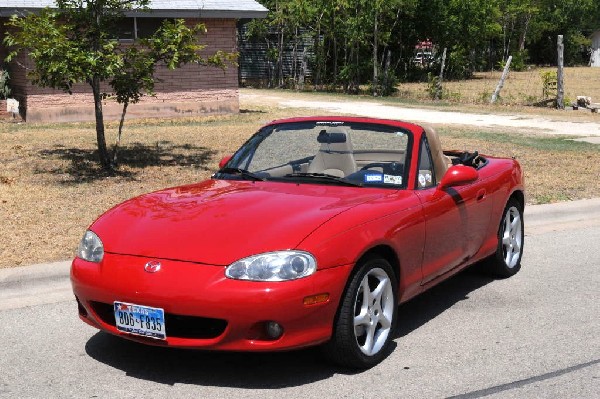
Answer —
204 308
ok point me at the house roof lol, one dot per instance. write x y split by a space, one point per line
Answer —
236 9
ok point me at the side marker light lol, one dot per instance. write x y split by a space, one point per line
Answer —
316 299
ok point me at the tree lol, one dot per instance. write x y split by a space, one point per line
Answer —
575 19
351 43
76 44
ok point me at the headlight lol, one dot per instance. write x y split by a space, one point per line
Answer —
273 266
90 248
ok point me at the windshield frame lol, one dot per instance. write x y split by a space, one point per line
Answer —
244 156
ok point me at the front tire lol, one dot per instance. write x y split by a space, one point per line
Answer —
366 318
506 261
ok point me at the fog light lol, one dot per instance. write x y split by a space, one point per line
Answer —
274 330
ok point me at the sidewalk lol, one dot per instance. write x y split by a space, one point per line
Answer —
49 282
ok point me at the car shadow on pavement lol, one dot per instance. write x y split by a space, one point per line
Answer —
263 370
206 368
427 306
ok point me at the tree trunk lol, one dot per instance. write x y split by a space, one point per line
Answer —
100 138
335 52
295 59
303 67
375 57
524 33
439 88
386 73
280 57
318 50
118 141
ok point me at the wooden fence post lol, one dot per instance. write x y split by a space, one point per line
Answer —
502 79
560 89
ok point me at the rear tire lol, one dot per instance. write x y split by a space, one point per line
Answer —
366 318
506 261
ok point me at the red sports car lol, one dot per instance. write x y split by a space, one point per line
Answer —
311 233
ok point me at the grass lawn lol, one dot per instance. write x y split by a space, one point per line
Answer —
51 188
520 88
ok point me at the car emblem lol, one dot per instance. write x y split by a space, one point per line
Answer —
152 267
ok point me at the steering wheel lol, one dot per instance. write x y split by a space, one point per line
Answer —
387 167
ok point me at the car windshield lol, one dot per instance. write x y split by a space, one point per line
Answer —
343 153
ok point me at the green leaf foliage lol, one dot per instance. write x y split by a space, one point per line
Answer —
351 42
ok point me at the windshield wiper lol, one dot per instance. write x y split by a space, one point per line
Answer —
325 177
243 172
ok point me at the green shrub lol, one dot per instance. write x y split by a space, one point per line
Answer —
519 61
385 86
549 81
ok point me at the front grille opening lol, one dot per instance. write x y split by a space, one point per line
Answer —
177 326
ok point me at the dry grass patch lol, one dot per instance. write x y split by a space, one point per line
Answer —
556 168
520 88
51 188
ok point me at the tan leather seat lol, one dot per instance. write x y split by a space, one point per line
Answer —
335 156
440 161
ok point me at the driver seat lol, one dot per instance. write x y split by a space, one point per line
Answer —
336 154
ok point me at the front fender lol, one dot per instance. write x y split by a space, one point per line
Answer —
395 221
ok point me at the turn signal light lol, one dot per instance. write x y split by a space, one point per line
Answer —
316 299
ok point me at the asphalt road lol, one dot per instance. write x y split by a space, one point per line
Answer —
535 335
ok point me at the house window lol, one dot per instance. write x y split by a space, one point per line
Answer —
137 28
145 27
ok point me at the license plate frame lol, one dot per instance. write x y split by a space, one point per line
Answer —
141 320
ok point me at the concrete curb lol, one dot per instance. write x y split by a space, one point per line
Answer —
35 285
49 282
562 216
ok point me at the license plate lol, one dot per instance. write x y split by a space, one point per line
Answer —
140 320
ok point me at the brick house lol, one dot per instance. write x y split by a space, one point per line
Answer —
190 90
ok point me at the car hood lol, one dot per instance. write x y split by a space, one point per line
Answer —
220 221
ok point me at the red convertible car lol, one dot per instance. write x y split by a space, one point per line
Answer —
312 233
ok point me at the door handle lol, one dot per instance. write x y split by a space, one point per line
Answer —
481 195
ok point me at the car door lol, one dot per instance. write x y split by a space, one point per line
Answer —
477 201
446 219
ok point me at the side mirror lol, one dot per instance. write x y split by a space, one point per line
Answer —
458 175
224 161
